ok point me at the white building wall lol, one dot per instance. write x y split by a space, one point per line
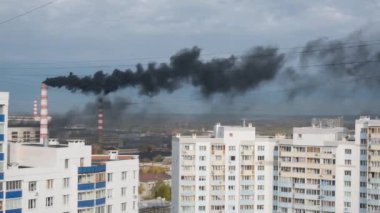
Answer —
119 182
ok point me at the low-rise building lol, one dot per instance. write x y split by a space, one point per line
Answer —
149 180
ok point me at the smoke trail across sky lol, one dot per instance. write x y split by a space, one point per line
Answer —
232 75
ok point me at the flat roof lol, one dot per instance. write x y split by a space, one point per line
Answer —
49 146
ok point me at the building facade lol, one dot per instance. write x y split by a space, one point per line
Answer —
4 100
67 178
229 172
320 169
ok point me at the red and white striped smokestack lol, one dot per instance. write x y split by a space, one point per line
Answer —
44 115
35 108
100 120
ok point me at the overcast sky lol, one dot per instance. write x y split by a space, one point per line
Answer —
83 36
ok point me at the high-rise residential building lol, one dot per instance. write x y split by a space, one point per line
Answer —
367 135
4 99
320 169
52 177
232 171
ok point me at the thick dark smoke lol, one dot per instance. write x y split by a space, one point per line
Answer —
114 111
344 66
233 75
340 69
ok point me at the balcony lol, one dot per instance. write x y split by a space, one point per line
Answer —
13 194
86 203
86 186
92 169
100 185
100 201
12 211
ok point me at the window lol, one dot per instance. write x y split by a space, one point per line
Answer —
232 158
109 177
109 193
347 204
66 163
202 148
66 199
32 204
260 187
100 194
347 151
347 183
202 158
260 157
123 207
261 148
49 201
81 161
109 208
232 148
99 209
13 185
13 204
124 175
260 168
123 191
32 186
260 177
202 208
50 183
347 162
66 182
347 173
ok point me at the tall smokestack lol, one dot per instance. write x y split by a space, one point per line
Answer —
35 109
100 120
44 115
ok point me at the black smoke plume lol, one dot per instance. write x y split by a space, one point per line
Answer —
233 75
342 65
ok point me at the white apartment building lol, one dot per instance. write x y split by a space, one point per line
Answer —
64 178
321 169
231 171
318 172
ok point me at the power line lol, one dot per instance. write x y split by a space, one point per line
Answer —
237 53
27 12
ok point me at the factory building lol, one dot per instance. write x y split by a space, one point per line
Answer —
321 169
46 176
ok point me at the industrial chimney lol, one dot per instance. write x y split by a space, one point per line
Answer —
44 115
100 120
35 109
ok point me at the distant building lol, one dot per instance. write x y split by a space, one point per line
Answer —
148 182
154 206
23 129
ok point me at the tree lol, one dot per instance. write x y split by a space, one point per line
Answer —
163 190
141 189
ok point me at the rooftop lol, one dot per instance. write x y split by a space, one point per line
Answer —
152 177
97 158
